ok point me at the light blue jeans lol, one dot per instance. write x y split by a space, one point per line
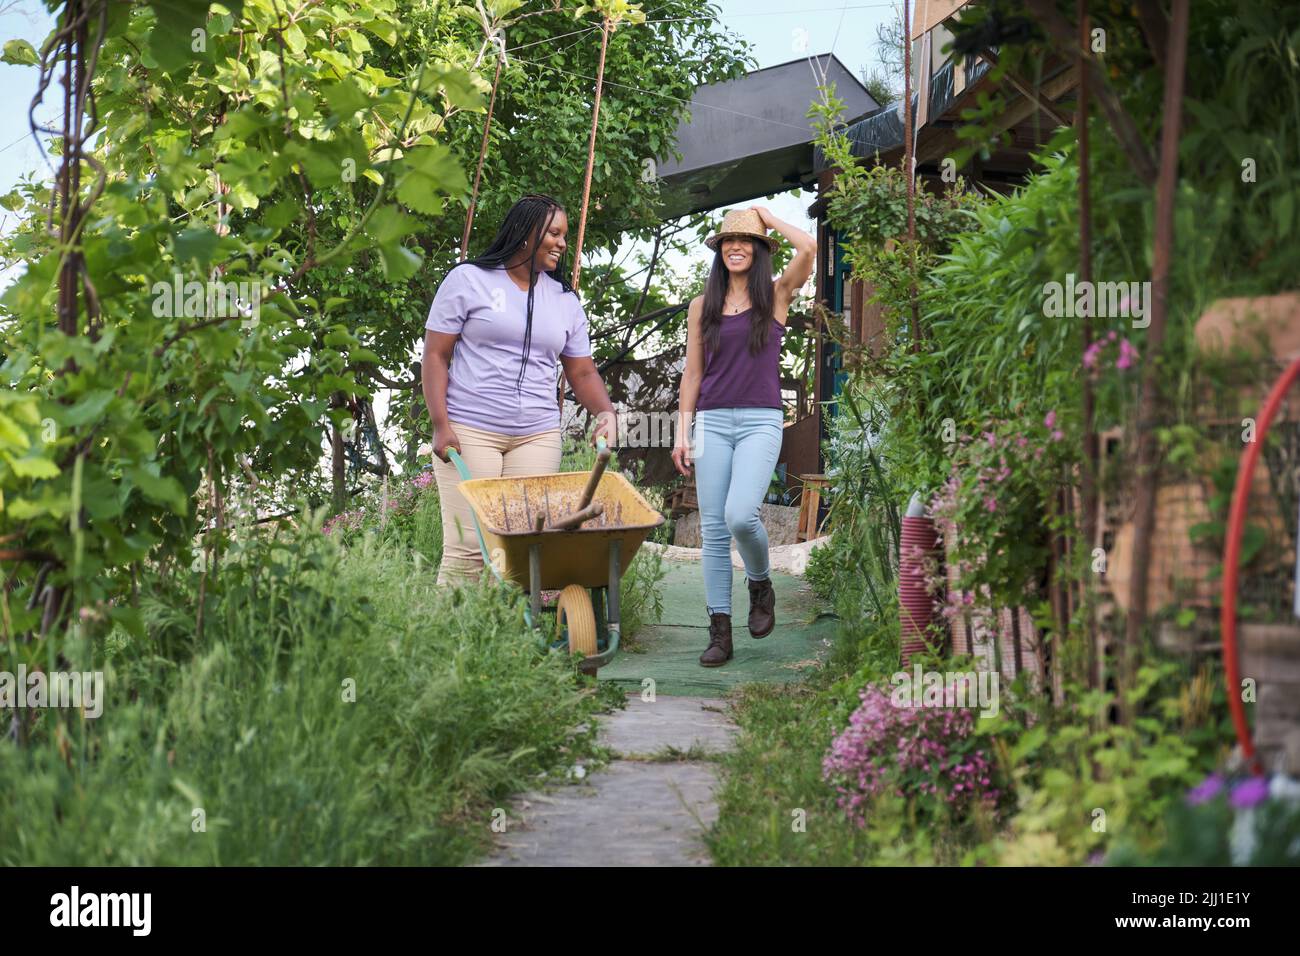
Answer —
735 454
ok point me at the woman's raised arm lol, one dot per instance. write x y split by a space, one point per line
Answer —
805 254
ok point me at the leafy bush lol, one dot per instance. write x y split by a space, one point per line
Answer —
998 498
641 598
1085 781
858 569
1249 822
452 708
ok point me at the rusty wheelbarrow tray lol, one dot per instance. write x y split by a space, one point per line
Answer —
515 518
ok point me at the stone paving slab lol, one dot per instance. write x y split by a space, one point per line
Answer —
635 812
631 814
684 723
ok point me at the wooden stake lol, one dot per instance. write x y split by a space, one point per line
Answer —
1149 396
482 153
1088 485
591 154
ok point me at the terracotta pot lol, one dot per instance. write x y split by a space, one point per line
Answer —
916 605
1244 322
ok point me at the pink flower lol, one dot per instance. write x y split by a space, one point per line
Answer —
1090 354
1050 420
1113 335
1057 435
1127 355
990 503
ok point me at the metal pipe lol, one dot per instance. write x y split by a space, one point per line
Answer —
615 569
535 581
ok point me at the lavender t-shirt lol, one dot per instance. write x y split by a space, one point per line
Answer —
488 311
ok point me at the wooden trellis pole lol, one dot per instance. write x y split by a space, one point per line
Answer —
591 152
909 158
1149 397
482 152
1088 484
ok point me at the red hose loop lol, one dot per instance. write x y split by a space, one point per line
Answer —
1232 554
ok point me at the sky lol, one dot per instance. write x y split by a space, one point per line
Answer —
772 28
26 20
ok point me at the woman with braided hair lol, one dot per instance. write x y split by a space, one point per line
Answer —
497 325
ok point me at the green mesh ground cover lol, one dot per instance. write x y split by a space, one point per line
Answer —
671 649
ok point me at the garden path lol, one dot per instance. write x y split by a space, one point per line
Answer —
653 803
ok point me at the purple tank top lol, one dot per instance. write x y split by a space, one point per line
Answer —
733 378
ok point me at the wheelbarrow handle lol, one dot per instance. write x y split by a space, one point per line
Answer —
463 470
459 462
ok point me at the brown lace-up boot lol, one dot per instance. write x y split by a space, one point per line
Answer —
719 649
762 608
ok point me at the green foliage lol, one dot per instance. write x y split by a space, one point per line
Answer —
165 388
641 597
858 568
323 160
1087 783
999 498
1212 833
775 807
772 776
454 709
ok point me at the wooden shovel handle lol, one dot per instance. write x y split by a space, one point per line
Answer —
602 459
593 510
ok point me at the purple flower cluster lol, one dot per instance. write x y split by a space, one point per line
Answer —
1247 793
1126 359
401 499
908 752
345 521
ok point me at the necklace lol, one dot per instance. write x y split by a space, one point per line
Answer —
732 309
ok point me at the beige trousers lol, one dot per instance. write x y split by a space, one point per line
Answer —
486 455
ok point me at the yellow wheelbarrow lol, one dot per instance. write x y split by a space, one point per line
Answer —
575 532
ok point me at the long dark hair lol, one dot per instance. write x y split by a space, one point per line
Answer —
762 297
527 221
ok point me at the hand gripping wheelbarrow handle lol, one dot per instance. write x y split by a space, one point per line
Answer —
459 462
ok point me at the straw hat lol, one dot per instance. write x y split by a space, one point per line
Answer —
741 222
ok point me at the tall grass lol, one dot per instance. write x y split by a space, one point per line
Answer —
249 751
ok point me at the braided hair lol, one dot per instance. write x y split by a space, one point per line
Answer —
526 223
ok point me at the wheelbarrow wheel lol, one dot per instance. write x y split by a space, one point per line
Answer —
574 612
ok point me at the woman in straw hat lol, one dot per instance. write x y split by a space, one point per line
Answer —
732 388
498 324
